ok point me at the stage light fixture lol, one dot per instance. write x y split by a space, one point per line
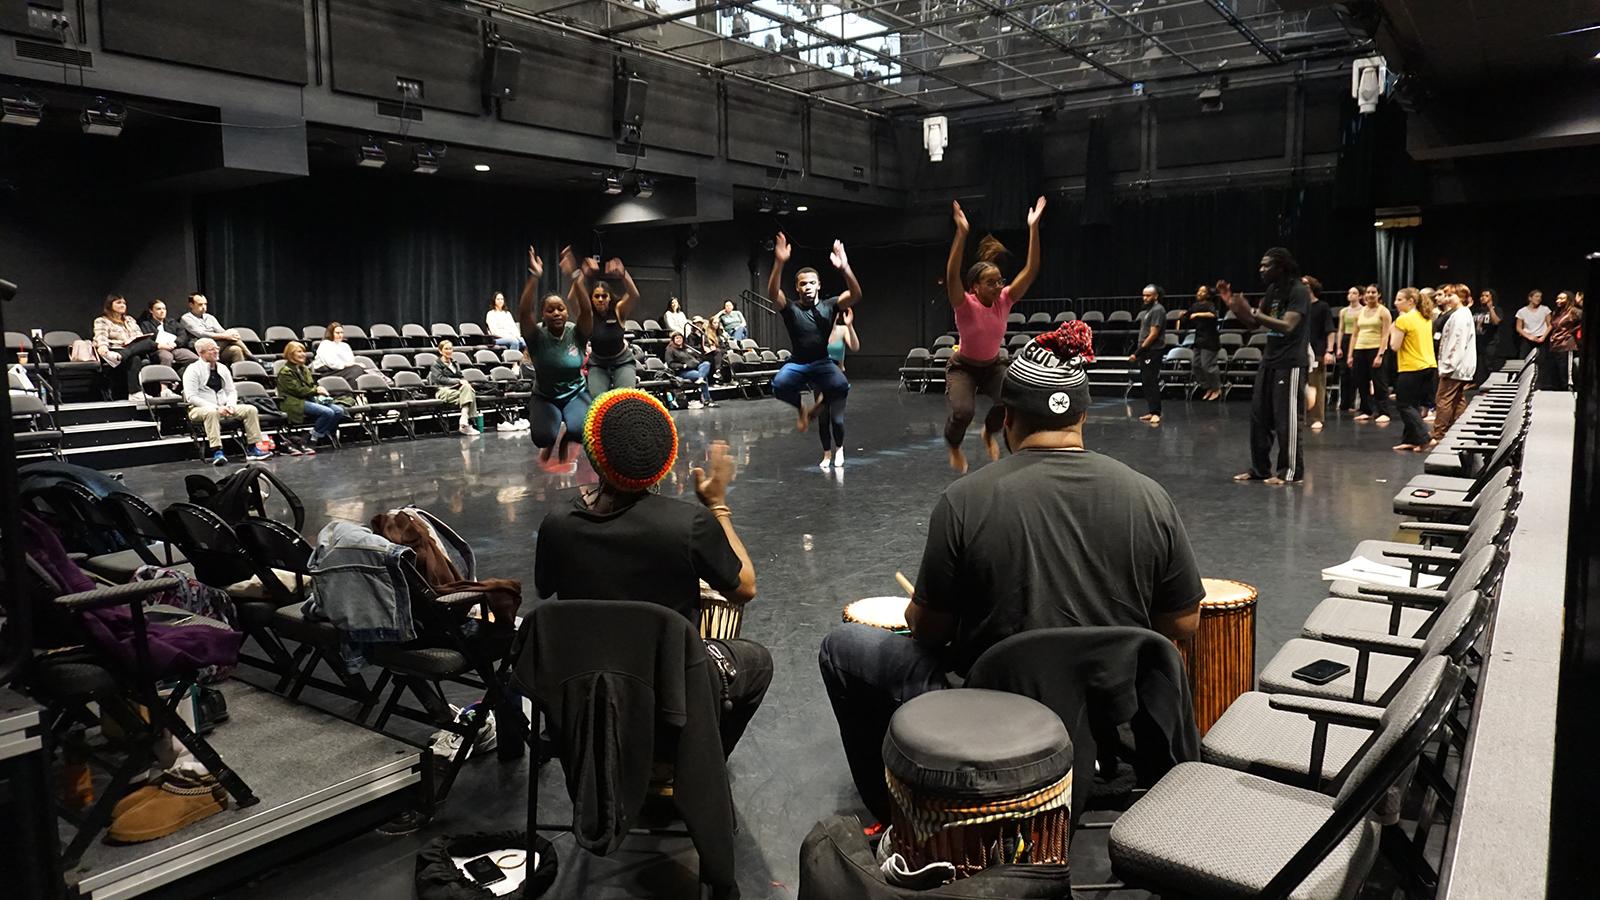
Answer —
103 118
1367 79
1211 99
613 183
26 110
481 167
644 187
783 208
369 155
424 161
935 136
764 202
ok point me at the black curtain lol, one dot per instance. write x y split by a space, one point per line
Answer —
368 250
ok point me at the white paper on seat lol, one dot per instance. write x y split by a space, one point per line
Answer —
1361 569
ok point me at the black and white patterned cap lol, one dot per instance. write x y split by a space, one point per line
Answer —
1048 378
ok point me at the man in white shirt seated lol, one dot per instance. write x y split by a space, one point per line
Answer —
208 389
201 324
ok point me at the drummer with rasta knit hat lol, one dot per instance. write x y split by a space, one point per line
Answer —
1053 535
625 541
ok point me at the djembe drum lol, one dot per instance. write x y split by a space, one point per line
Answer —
720 618
978 778
1221 657
888 613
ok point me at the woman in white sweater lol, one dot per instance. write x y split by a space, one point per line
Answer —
334 356
502 325
676 321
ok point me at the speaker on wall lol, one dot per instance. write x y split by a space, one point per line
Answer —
501 60
628 105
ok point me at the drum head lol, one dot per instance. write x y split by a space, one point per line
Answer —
1222 592
880 612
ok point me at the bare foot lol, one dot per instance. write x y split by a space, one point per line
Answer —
803 418
1404 447
1381 420
1274 480
1147 417
1363 417
1316 426
958 460
990 444
1154 420
1244 476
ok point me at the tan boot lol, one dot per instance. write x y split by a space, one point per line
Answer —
178 803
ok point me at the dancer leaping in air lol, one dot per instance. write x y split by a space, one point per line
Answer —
809 318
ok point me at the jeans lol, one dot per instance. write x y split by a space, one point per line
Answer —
752 665
868 672
517 344
546 416
325 417
602 378
700 375
823 375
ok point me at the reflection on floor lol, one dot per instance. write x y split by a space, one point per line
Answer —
819 540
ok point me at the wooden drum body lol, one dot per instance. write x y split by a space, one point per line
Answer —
1221 657
888 613
720 618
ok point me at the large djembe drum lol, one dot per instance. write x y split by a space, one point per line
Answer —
978 778
888 613
720 618
1221 657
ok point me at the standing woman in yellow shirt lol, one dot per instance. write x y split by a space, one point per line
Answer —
1364 356
1411 338
1343 340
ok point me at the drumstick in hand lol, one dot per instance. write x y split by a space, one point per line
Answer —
905 584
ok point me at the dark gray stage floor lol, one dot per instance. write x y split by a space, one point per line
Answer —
819 540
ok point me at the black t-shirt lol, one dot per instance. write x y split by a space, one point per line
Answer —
1203 319
656 549
1051 538
1319 324
809 329
1287 351
1154 318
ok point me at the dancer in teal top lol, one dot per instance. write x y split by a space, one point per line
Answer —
555 346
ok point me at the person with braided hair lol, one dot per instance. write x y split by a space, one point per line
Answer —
624 541
981 302
1053 535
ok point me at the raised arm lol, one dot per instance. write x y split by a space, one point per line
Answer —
780 258
852 287
630 292
578 296
530 292
851 342
953 288
1030 271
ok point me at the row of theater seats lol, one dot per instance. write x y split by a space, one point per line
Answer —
264 567
1301 784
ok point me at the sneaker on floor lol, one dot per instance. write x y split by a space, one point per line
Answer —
218 458
469 431
695 404
507 426
827 462
179 802
291 449
257 453
522 424
838 458
138 398
267 443
445 743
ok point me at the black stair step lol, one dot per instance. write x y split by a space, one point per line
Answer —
96 413
107 434
138 453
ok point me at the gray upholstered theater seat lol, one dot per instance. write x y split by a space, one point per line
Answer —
1217 832
119 567
1341 614
1480 560
1254 736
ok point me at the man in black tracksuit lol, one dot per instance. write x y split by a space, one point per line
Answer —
1277 403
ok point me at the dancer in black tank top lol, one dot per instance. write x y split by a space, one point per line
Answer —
611 362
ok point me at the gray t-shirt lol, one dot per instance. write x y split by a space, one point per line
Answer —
1534 320
1052 538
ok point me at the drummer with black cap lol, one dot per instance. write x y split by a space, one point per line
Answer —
1053 535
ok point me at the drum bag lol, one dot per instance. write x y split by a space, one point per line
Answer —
836 862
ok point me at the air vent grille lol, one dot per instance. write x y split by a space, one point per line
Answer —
396 111
53 53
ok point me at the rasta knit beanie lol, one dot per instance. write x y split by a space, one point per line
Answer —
630 439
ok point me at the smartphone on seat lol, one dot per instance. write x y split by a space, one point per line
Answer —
1320 672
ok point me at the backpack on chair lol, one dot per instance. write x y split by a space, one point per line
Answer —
243 494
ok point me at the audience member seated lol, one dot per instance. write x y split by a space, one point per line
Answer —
731 323
299 396
1053 535
201 324
502 325
674 318
169 334
686 364
123 348
335 357
704 337
208 389
453 388
622 541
